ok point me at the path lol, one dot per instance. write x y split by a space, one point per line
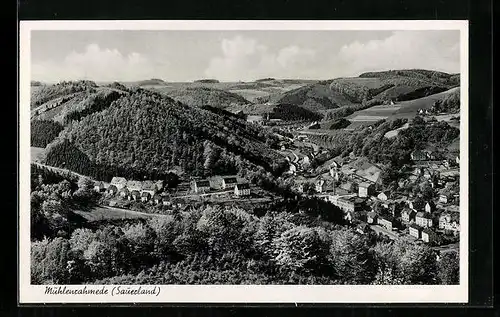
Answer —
384 231
61 170
133 212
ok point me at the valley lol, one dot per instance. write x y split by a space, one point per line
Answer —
245 174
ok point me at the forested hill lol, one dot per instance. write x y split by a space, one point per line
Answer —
146 133
201 96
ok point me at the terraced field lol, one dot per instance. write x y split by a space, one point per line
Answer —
406 109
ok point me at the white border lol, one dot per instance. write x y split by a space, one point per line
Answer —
247 293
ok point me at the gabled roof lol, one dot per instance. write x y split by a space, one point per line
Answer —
202 183
118 181
422 214
364 184
229 180
428 231
407 211
124 190
243 186
134 185
414 226
148 185
157 196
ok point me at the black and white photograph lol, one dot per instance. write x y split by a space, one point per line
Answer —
241 161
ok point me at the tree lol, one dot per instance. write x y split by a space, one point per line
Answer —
449 269
351 258
49 261
301 250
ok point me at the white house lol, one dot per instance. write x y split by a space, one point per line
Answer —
99 187
242 189
423 219
365 189
201 186
229 182
320 185
383 196
149 187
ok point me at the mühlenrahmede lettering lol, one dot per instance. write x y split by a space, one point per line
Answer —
82 290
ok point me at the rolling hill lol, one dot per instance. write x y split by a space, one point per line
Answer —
406 109
64 103
374 87
201 96
146 133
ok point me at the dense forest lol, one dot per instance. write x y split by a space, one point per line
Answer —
449 104
215 245
340 124
289 112
201 96
43 132
61 89
146 132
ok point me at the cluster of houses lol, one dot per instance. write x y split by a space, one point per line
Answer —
357 194
227 184
147 190
151 191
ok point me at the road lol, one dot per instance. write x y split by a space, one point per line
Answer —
133 212
378 229
454 247
61 170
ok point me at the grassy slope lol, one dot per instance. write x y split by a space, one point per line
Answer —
405 109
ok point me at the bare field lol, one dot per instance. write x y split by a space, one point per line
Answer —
37 154
108 213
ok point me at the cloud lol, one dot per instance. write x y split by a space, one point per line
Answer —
246 59
96 63
435 50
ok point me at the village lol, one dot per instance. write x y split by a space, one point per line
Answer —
355 186
352 184
120 192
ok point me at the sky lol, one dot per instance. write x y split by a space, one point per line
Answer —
179 56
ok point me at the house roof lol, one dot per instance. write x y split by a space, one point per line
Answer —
159 183
407 211
422 214
157 196
243 185
148 185
118 181
372 214
364 184
98 184
414 226
428 231
135 193
145 194
370 173
202 183
230 180
134 185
